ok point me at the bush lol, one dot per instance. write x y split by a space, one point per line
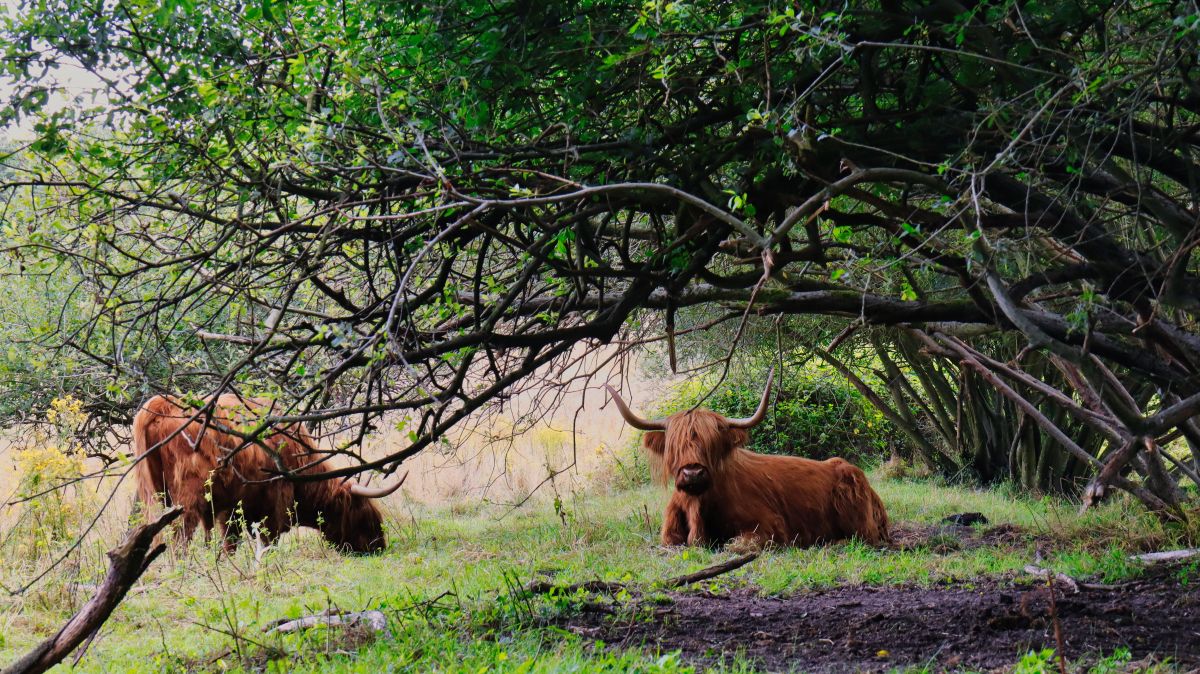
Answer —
813 413
49 469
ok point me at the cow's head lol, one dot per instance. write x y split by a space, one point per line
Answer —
692 445
353 523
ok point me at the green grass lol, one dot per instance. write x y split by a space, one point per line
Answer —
448 583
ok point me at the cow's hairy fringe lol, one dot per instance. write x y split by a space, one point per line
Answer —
659 475
701 436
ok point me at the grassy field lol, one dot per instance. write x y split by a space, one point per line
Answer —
450 581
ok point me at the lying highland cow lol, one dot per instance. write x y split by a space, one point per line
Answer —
724 491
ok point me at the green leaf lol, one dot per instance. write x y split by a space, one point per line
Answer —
208 93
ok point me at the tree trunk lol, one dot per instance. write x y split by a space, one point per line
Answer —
127 563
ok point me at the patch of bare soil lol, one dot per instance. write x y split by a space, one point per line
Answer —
984 625
950 537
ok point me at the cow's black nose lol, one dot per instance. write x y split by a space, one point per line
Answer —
692 479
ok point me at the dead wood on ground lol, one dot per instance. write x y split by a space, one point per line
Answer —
607 587
373 621
127 563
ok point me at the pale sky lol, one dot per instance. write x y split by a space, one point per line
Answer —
72 78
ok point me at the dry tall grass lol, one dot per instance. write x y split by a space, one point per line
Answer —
526 450
508 456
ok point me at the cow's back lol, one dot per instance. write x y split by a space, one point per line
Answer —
211 474
805 488
769 496
798 501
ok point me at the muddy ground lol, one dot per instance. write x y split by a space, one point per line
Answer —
981 625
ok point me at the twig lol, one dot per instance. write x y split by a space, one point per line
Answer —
1067 581
127 563
1058 635
374 621
710 572
607 587
1167 556
1070 583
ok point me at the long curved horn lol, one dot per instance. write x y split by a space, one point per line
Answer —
760 413
376 492
633 419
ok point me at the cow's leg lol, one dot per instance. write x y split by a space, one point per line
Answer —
193 518
187 528
231 530
766 532
194 510
207 521
674 528
697 535
279 518
190 478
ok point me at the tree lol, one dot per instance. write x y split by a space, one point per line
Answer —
374 207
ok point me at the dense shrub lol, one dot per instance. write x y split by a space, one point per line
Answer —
814 413
49 469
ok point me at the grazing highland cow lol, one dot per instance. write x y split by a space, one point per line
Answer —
211 474
724 491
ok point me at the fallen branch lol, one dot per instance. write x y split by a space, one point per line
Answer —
1097 489
127 563
374 621
1065 580
709 572
1070 583
607 587
1058 635
1168 556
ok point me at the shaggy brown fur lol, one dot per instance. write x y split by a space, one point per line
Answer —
180 465
724 491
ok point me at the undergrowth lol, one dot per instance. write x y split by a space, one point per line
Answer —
451 583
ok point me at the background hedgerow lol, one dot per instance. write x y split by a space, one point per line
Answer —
813 413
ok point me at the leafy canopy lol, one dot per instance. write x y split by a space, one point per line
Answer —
366 207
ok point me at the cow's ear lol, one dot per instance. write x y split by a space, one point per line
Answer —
737 438
655 442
